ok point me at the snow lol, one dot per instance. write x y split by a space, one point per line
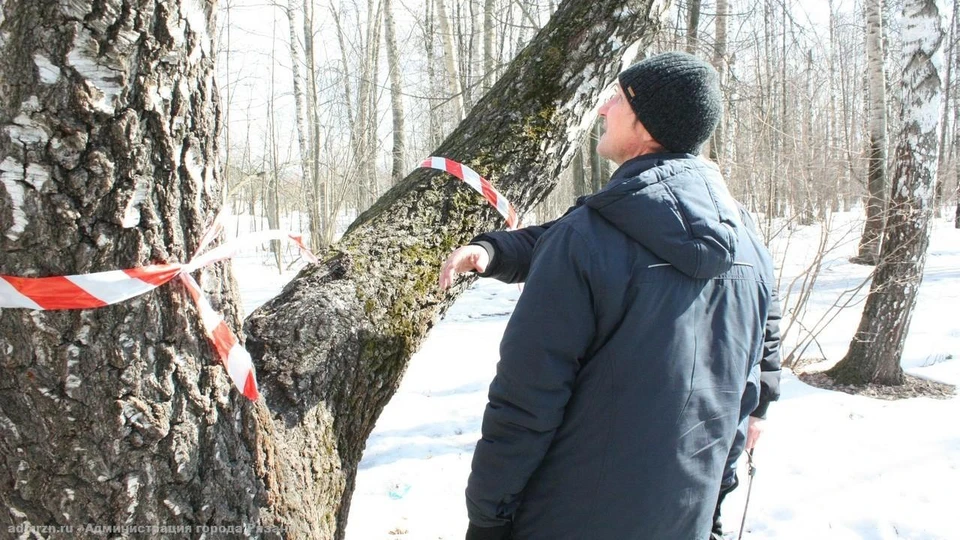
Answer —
829 465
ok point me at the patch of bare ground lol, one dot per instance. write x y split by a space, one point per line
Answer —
912 387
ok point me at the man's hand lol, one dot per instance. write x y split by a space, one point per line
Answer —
754 430
469 258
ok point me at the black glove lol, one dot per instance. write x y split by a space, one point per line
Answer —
500 532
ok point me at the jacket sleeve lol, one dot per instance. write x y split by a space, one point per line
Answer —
510 251
547 336
770 362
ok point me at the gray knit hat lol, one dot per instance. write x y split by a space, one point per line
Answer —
676 96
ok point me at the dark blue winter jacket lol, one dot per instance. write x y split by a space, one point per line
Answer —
618 390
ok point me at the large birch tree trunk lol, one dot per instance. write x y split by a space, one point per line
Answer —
120 415
108 160
869 249
874 353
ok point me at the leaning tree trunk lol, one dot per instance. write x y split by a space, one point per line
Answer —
874 354
108 160
331 348
869 250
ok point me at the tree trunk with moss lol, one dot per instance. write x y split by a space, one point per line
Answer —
121 416
874 354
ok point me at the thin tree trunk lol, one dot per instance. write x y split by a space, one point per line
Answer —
945 118
450 60
270 198
875 351
226 113
316 195
956 152
577 170
331 349
303 132
693 25
353 116
435 135
599 166
365 127
720 64
373 76
869 250
489 33
396 93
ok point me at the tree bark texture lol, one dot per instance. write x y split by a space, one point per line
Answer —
331 348
108 160
874 353
869 249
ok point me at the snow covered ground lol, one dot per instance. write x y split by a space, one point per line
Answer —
830 465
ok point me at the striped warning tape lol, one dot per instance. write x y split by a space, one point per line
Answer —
89 291
477 182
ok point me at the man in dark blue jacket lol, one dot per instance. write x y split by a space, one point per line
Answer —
624 370
505 256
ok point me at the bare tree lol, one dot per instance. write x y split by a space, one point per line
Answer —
717 145
396 92
869 250
307 120
874 354
450 60
489 35
693 25
271 159
945 118
366 125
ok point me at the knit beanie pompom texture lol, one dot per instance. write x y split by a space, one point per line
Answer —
676 96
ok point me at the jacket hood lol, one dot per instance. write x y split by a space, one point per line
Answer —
678 207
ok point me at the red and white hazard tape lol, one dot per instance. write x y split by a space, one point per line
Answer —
477 182
88 291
